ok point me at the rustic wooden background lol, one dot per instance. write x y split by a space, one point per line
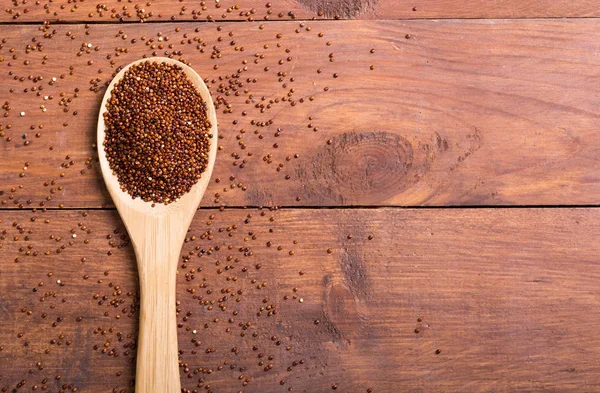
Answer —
425 220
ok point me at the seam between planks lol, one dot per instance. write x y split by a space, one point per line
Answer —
353 207
133 22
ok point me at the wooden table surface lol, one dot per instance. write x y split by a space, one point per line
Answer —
405 199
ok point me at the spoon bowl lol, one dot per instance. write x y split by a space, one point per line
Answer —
157 234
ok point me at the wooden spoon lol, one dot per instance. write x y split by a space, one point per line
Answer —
157 234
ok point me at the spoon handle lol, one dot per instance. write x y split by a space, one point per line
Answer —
157 255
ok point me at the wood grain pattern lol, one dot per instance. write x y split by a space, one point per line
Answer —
455 112
461 113
508 296
182 10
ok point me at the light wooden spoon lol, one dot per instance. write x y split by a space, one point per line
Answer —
157 234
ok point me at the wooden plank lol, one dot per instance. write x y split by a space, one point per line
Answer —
189 10
508 297
460 113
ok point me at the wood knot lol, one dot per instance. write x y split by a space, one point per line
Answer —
339 8
339 307
363 168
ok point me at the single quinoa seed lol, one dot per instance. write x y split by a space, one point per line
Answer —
157 132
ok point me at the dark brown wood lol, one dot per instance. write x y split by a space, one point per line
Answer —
460 113
165 10
455 112
508 297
